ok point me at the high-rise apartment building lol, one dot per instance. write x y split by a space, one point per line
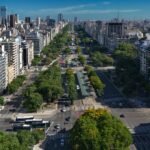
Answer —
3 69
27 20
38 21
28 53
145 62
115 29
12 21
11 47
36 38
60 17
3 15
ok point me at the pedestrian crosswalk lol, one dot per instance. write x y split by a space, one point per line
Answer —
58 136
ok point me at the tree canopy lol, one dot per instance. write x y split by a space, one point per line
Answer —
127 69
15 84
71 85
82 59
125 50
23 140
100 59
47 88
99 130
1 100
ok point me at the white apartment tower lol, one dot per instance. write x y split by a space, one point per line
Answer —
3 69
11 47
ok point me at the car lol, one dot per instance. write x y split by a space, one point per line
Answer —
68 119
63 110
57 126
122 116
78 87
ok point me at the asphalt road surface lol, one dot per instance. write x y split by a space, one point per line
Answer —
54 136
136 119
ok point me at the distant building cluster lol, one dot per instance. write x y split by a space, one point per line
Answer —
110 34
21 40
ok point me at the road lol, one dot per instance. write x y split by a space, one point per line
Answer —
54 135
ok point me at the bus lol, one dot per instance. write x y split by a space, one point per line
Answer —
30 121
43 124
24 118
17 127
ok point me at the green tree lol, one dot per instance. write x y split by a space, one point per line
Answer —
36 60
125 50
71 85
33 102
67 50
99 130
1 100
9 142
15 84
97 83
82 59
79 50
100 59
88 68
127 69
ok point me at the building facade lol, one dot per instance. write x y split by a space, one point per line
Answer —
3 69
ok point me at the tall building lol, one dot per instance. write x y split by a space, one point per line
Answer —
17 18
11 47
3 69
75 20
145 62
3 15
115 29
60 17
36 38
12 21
38 21
27 20
51 23
28 53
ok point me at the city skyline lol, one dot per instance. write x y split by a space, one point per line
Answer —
103 10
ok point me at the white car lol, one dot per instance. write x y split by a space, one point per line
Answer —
57 126
78 87
63 110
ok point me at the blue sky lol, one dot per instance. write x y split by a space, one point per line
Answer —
83 9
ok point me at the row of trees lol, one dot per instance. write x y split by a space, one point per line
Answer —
99 130
71 85
100 59
15 84
23 140
52 51
47 88
127 69
95 80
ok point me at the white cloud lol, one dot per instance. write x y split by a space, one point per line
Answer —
78 10
66 9
106 3
109 11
